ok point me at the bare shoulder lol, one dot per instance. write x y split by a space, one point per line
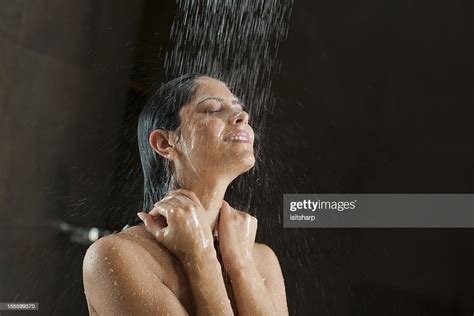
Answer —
113 254
99 251
130 247
264 252
123 274
265 259
106 248
105 260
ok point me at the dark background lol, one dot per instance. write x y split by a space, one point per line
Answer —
372 97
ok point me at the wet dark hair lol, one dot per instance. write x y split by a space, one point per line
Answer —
161 112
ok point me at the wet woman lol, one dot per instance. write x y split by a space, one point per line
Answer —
192 254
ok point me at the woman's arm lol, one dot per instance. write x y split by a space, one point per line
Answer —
253 295
207 285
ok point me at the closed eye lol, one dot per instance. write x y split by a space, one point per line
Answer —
213 105
214 111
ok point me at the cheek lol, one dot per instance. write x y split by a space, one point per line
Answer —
209 131
205 133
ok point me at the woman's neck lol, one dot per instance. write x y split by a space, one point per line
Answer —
210 193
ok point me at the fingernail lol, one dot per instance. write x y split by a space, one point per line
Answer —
141 216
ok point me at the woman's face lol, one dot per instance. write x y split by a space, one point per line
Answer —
215 134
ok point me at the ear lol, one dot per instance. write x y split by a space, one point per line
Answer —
163 143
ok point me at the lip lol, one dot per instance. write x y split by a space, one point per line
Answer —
239 133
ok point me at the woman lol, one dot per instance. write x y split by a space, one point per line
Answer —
193 253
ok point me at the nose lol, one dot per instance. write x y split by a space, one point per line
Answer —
240 117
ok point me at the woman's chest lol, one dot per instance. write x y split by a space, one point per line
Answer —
169 269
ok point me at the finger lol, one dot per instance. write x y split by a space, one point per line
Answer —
222 221
224 213
253 235
253 232
190 194
149 221
152 226
183 201
179 201
160 218
226 208
160 235
164 199
162 208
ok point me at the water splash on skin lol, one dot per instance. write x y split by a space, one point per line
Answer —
205 242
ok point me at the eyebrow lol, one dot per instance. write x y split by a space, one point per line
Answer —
235 101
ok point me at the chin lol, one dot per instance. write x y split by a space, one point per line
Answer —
248 162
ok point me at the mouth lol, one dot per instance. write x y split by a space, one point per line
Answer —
239 141
241 137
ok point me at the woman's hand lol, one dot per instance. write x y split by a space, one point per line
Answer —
188 233
236 237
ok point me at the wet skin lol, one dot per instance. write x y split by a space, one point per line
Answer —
176 269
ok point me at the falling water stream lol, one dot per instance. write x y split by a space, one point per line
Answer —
236 41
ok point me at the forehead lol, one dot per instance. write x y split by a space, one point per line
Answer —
206 87
210 87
